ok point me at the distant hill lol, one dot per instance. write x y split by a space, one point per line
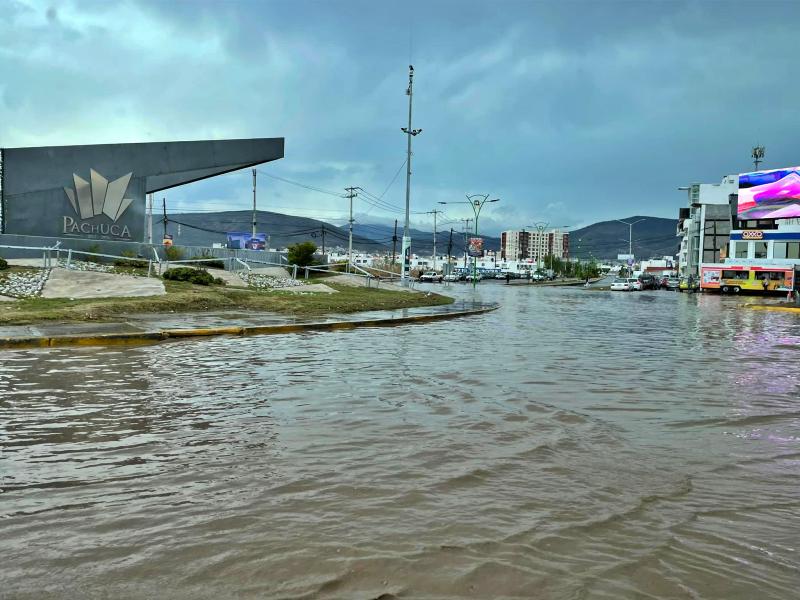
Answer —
652 237
203 229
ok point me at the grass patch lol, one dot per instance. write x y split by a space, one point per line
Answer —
185 297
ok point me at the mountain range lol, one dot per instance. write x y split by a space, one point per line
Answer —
652 236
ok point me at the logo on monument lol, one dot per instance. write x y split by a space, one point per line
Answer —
100 197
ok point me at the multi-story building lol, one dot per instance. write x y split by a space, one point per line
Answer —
535 245
705 225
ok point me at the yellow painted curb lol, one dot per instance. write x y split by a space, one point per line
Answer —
147 337
788 309
202 332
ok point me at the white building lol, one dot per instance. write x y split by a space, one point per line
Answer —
704 225
518 245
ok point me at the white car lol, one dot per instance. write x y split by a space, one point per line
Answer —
621 285
452 277
636 285
431 277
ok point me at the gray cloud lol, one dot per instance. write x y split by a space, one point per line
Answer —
569 111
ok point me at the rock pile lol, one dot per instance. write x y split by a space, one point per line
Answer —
81 265
267 282
26 284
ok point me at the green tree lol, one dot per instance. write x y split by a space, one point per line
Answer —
302 254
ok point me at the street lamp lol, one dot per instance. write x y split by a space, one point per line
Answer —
476 201
630 233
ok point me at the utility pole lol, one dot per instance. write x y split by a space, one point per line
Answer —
164 204
394 242
323 240
351 193
449 250
254 203
150 219
758 155
434 213
406 248
466 233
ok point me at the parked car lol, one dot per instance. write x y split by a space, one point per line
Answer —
452 277
672 283
636 285
621 285
647 281
431 277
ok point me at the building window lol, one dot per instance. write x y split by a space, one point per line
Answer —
740 250
793 250
760 250
779 250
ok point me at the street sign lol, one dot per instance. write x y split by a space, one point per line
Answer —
630 262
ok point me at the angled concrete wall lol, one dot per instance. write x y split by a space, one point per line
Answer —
98 191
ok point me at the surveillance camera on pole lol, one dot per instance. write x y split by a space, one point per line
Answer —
410 133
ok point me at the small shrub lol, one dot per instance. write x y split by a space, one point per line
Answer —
302 254
219 281
195 276
3 264
94 248
133 263
173 253
214 263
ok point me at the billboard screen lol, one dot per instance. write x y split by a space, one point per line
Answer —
246 241
769 194
475 247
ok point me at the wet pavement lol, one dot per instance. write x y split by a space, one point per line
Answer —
157 322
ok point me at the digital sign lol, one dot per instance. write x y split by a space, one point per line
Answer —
769 194
475 247
246 241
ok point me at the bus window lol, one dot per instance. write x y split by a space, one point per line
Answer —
730 274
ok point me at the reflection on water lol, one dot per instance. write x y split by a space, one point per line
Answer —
572 444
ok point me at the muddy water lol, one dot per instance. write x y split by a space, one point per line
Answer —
570 445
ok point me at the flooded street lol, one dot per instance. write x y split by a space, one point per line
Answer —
572 444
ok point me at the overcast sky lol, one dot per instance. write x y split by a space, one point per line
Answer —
569 112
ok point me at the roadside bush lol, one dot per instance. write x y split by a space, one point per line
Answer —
302 254
3 264
195 276
214 263
211 262
219 281
95 248
133 263
173 253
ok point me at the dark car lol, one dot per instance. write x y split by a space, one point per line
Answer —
648 281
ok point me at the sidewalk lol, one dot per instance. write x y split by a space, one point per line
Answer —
149 328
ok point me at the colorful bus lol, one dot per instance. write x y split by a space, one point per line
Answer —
733 279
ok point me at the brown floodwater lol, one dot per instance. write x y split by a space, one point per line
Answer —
572 444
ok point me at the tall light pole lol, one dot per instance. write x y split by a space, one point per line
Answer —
476 201
406 248
758 155
630 233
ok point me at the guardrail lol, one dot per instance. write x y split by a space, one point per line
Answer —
47 255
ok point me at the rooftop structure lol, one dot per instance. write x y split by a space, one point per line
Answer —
98 191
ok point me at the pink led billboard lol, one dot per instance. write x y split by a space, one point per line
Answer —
770 194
